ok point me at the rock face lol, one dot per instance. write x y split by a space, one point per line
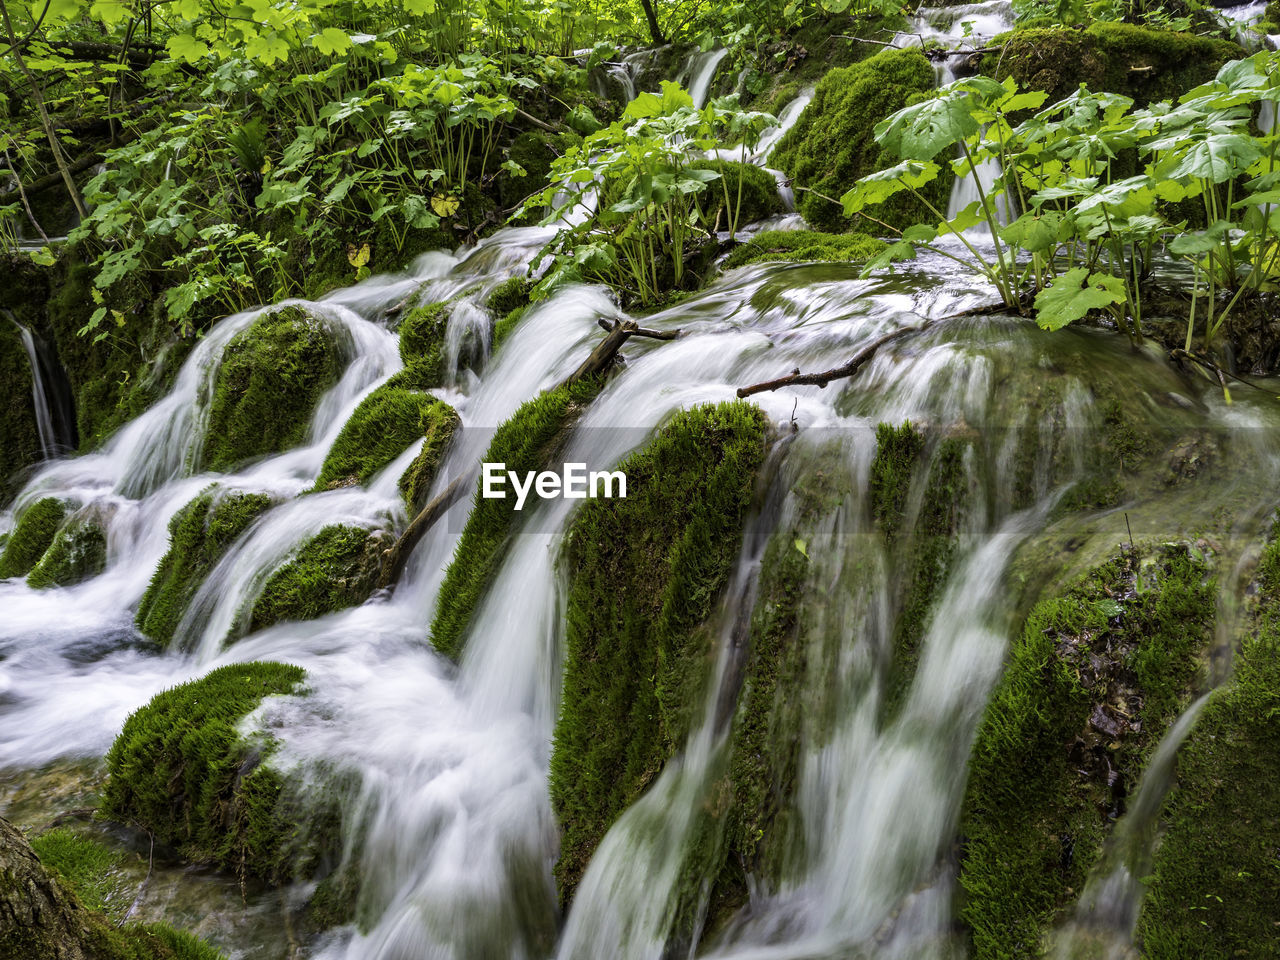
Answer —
38 920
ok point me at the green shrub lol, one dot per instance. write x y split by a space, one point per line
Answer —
527 441
644 576
831 144
78 552
200 534
31 537
336 568
801 246
266 389
181 770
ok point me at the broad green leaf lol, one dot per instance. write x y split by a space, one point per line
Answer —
923 130
1217 158
1074 294
187 48
880 186
331 40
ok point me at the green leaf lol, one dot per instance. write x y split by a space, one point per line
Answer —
331 40
923 130
187 48
880 186
1217 158
1074 294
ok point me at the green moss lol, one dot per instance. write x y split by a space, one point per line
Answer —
509 295
200 534
85 865
644 575
804 246
527 441
1090 687
1108 57
31 537
336 568
380 429
436 424
831 144
422 341
181 770
758 197
534 154
78 552
898 452
1216 878
271 376
19 435
506 326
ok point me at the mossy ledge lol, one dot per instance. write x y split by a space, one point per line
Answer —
527 441
31 537
200 534
271 375
78 552
422 342
380 429
181 769
1215 885
804 246
335 569
645 573
831 145
48 913
1093 682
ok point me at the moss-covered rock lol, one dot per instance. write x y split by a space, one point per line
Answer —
422 333
78 552
832 145
380 429
804 246
182 770
437 425
267 385
509 295
335 569
1215 883
898 450
43 918
1139 62
750 190
644 576
19 435
527 441
200 533
31 536
534 155
1096 677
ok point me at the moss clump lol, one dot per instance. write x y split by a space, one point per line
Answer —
534 155
1090 687
335 569
31 537
506 326
78 552
804 246
832 145
422 334
509 295
271 376
436 424
1215 882
181 769
200 534
527 441
758 197
19 435
380 429
84 864
644 575
1109 57
898 452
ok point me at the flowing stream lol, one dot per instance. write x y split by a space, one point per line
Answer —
452 760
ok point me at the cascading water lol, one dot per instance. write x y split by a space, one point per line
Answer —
50 396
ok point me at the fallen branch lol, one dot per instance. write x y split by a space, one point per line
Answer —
606 350
394 560
530 118
862 357
641 331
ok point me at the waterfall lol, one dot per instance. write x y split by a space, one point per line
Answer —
50 396
698 73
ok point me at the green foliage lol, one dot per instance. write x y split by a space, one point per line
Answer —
78 552
1040 797
181 770
804 246
31 536
747 193
200 533
527 441
336 568
267 385
831 145
898 451
1214 884
644 574
380 429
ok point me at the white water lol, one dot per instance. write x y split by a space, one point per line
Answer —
42 400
